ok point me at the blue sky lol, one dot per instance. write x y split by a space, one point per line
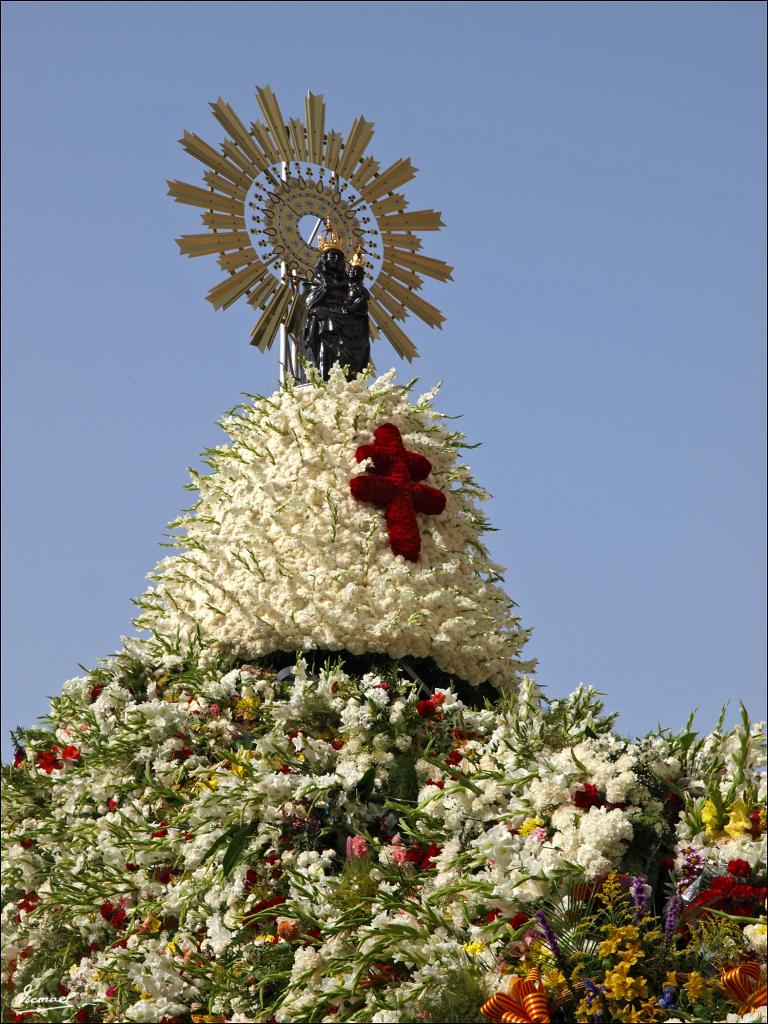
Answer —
600 169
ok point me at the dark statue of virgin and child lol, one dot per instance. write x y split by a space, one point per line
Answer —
336 329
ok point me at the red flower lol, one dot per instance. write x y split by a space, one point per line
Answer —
739 868
28 901
757 827
111 991
392 482
587 797
422 857
96 690
111 803
518 920
18 758
440 783
47 760
161 831
82 1015
26 842
455 757
71 753
337 744
115 915
431 708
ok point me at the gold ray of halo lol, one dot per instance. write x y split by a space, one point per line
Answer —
206 244
386 298
270 108
393 203
412 220
314 111
298 139
245 156
223 221
398 338
231 288
233 153
261 133
332 151
365 172
404 240
231 123
197 148
437 269
408 277
423 309
360 134
194 196
223 185
232 261
398 174
263 334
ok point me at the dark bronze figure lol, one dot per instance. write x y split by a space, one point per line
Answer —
337 328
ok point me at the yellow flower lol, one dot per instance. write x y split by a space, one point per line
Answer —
738 819
247 707
618 937
695 986
160 683
529 825
473 948
671 980
264 938
211 783
554 979
710 816
619 984
630 956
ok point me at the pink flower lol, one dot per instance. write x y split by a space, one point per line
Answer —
399 852
540 834
357 848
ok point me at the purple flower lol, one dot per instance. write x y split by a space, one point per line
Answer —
674 910
551 938
638 890
667 1001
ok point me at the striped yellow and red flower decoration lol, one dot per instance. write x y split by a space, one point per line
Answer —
745 985
524 1002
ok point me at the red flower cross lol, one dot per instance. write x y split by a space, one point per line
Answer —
392 481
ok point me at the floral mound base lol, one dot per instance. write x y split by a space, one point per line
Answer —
192 840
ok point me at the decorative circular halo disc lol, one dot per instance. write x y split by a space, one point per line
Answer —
262 184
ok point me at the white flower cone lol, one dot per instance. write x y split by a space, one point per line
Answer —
280 556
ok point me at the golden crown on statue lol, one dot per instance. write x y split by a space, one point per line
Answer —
358 257
329 240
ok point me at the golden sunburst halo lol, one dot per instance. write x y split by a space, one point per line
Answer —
261 185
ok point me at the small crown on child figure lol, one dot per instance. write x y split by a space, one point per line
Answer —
358 257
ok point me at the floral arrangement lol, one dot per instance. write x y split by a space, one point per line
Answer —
279 555
195 840
324 787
